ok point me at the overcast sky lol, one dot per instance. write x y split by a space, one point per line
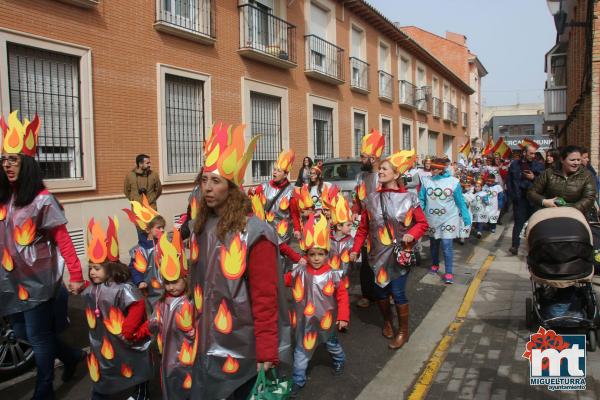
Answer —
510 37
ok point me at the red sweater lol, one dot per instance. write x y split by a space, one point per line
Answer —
134 321
341 294
418 229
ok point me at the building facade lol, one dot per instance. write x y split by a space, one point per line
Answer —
113 79
515 128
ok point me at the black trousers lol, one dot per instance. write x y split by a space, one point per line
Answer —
367 277
522 210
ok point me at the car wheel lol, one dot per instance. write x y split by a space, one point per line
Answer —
16 355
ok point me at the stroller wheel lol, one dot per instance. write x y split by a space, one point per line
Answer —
529 316
592 338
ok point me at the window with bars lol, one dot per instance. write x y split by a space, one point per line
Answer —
386 131
266 121
185 132
47 83
406 136
323 132
359 131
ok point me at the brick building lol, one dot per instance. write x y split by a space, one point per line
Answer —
111 79
572 93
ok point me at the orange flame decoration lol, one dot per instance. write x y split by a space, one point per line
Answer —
402 160
361 191
285 160
23 294
223 322
334 262
91 318
384 237
185 354
112 239
225 152
373 144
158 315
326 321
284 204
97 250
139 262
345 257
187 382
257 207
270 216
177 242
342 210
194 208
126 371
382 276
316 233
293 319
170 266
20 137
194 249
159 343
231 365
346 282
409 216
198 298
195 345
309 310
155 283
298 290
329 196
309 340
107 350
233 260
141 214
329 288
2 213
25 233
114 322
185 317
304 198
7 261
368 245
93 368
282 227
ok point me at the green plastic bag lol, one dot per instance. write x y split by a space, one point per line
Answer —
270 388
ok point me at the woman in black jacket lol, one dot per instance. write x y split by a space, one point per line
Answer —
304 173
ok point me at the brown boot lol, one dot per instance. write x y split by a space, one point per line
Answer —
386 312
402 336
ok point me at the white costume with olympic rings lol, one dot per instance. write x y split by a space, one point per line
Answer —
441 210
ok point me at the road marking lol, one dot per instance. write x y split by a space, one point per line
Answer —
441 351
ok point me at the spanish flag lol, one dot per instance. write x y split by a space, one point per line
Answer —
488 147
465 149
530 143
501 148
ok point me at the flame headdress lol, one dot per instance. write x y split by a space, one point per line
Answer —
315 234
103 246
304 198
373 144
402 160
341 212
142 214
19 137
258 200
225 152
171 256
329 195
285 160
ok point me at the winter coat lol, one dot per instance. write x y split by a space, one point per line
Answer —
135 181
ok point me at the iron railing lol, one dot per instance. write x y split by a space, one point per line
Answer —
423 99
450 112
437 107
324 57
407 93
267 34
265 121
196 16
386 89
555 101
464 119
359 71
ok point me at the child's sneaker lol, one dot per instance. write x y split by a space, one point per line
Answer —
493 230
295 391
338 369
461 241
434 269
448 279
479 235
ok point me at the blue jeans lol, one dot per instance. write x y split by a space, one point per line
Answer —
40 327
397 288
447 249
301 359
482 225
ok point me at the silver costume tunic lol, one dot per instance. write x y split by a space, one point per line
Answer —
32 266
339 255
173 323
315 309
226 356
366 182
397 207
114 364
278 213
144 262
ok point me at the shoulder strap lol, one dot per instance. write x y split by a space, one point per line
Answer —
277 196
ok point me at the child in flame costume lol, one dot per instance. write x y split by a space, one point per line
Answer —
34 248
115 310
341 239
235 276
392 217
144 271
320 302
174 322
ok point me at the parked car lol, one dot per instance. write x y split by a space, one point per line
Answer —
342 172
16 356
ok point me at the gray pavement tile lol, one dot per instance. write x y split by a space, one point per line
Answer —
454 385
484 390
458 373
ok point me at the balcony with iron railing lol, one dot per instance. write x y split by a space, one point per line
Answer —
555 104
448 112
437 107
189 19
324 60
82 3
407 93
359 75
267 38
423 99
465 119
386 88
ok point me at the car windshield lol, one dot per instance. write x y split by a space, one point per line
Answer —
341 171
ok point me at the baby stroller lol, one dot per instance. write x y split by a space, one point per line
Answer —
561 266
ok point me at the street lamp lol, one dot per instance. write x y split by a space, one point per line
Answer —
554 6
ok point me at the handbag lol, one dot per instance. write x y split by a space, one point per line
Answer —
270 387
403 252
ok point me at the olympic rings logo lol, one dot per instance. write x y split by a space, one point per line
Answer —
448 228
439 193
437 211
